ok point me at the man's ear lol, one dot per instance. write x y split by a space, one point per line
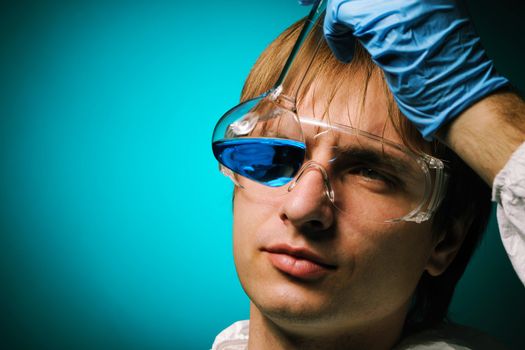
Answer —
446 247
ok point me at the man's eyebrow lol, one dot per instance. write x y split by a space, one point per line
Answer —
372 157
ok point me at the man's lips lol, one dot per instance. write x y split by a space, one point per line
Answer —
298 262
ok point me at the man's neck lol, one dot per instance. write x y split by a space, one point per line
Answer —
267 334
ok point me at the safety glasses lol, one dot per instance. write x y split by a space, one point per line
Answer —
350 166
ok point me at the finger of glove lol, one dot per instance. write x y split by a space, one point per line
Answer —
339 32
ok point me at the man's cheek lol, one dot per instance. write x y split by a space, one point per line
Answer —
250 215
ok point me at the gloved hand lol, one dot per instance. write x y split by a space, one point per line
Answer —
433 60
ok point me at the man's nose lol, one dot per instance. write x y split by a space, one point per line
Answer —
308 205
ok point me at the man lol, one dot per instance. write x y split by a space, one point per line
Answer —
340 258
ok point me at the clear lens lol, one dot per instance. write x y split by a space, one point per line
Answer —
377 180
261 139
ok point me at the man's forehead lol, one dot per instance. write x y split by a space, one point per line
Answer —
350 105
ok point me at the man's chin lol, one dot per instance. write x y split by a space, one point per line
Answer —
293 309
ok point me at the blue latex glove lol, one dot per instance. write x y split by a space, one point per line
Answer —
433 60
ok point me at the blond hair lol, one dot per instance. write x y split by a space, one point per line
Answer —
332 75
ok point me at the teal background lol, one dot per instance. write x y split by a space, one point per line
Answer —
115 225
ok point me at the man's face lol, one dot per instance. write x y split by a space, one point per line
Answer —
302 261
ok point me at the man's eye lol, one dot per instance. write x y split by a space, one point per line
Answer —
371 174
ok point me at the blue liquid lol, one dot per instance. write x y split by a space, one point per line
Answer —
272 162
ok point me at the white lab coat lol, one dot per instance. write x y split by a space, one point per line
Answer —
508 191
444 337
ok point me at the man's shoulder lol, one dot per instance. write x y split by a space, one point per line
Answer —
235 337
450 336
